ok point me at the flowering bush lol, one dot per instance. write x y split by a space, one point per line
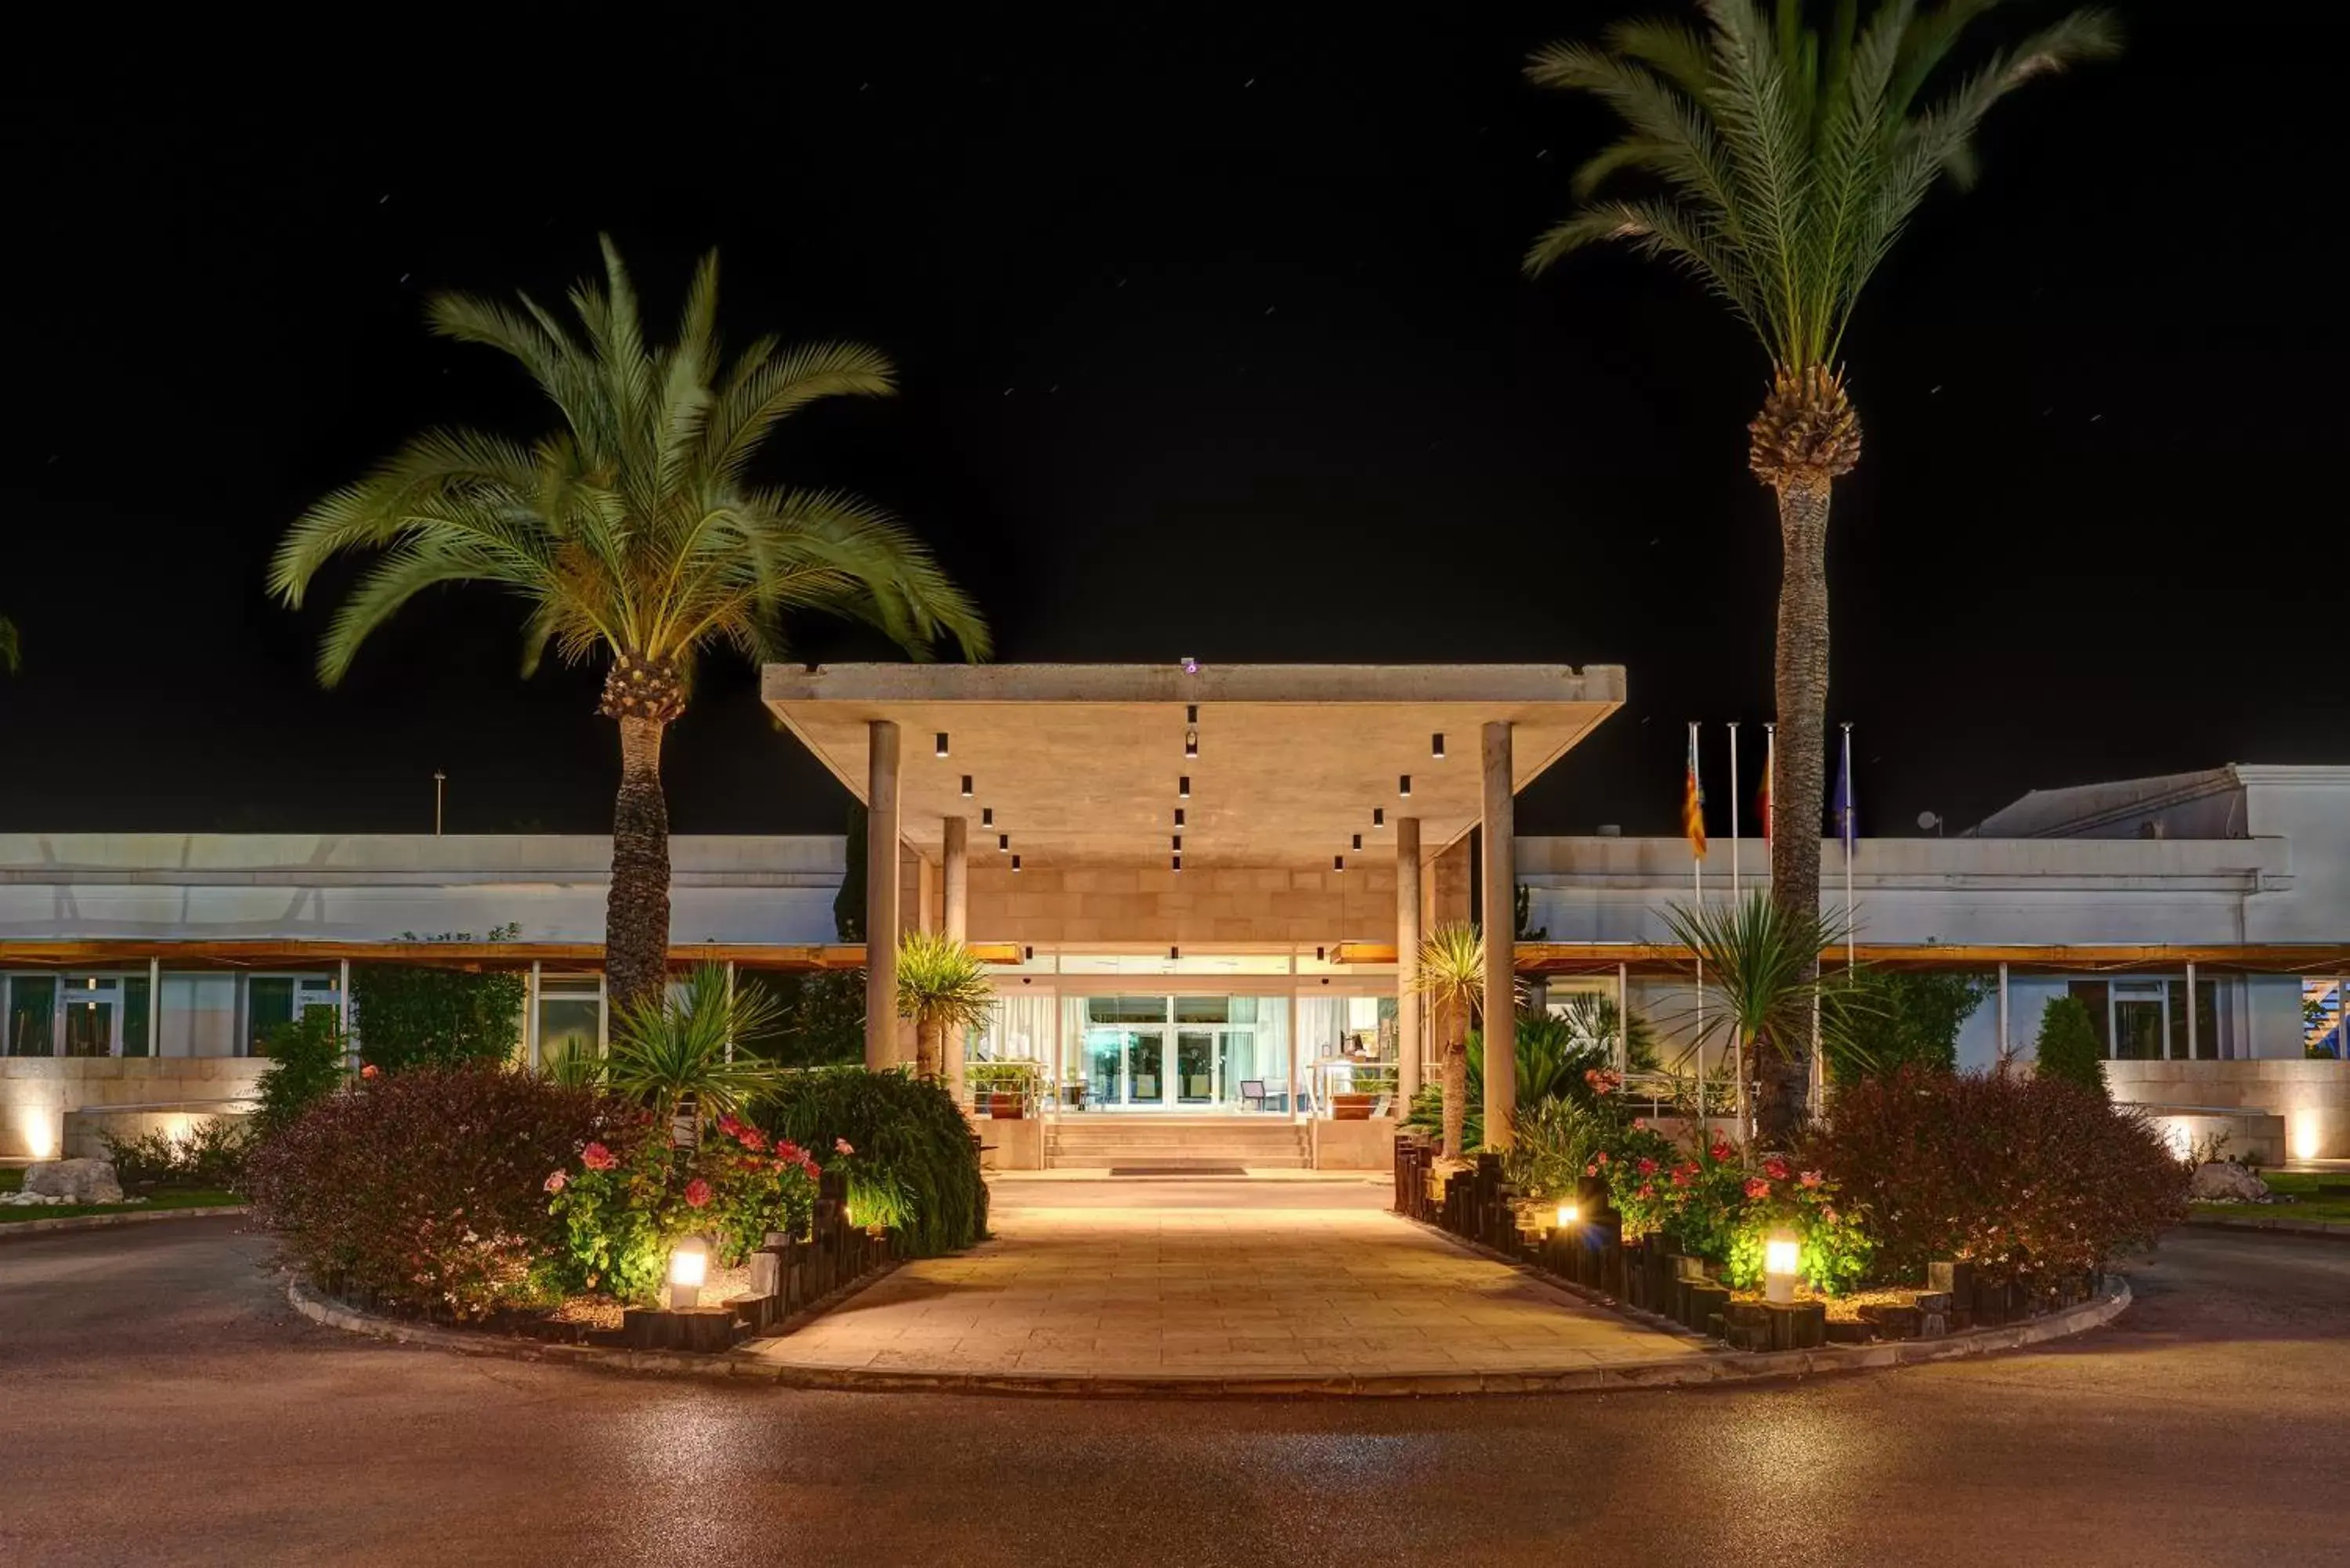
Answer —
1835 1249
1709 1204
2012 1172
622 1212
425 1188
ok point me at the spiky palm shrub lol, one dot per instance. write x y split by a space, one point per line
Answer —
1784 162
1552 1058
942 987
1452 978
633 532
676 1055
1595 1021
912 1161
1762 987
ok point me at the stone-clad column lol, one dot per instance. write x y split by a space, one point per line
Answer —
956 920
1501 923
1409 1047
881 828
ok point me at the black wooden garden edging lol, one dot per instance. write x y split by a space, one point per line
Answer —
789 1275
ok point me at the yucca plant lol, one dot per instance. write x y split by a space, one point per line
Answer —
676 1055
942 987
633 532
1784 162
1452 978
1595 1021
1762 987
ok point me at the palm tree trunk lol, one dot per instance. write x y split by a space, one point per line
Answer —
1799 772
635 915
1456 1081
926 1049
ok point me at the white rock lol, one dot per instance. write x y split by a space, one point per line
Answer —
2220 1181
75 1180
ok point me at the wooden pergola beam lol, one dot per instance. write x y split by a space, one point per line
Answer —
1672 958
98 953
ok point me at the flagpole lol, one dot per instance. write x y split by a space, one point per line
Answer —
1733 811
1696 803
1850 843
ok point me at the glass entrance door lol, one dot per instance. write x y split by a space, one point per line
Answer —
89 1017
1195 1067
1146 1067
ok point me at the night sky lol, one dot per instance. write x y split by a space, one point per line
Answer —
1213 342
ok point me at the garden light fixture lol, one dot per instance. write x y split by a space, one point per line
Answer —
1568 1213
1783 1258
688 1265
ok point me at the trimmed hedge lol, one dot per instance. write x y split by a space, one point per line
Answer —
2016 1173
916 1166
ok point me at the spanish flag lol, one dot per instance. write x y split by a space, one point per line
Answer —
1693 802
1770 760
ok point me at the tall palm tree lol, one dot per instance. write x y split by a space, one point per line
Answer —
632 530
1453 977
10 649
1784 162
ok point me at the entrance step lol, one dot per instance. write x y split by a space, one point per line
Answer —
1094 1142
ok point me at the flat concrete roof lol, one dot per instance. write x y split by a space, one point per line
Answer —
1081 762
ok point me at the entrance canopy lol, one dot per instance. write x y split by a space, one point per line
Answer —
1086 765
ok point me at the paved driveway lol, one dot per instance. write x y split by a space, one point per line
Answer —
1214 1278
161 1404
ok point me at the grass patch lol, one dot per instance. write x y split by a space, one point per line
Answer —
2318 1197
183 1197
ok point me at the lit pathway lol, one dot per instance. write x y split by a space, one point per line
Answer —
1213 1279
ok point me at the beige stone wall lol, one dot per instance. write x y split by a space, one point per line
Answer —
2313 1097
1355 1145
1040 904
36 1092
87 1131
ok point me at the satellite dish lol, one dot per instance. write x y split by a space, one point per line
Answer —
1927 820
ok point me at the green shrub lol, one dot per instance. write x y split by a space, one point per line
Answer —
210 1155
2069 1048
913 1163
406 1015
305 1063
1882 1020
428 1189
2018 1173
1554 1141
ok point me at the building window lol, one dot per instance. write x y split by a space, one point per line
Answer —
32 1014
570 1019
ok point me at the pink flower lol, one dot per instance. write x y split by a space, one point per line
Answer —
752 1140
556 1182
596 1156
788 1152
370 1071
1812 1179
1601 1157
1648 1166
1647 1190
809 1166
1721 1150
1680 1176
1757 1187
1639 1124
1828 1215
697 1194
1592 1169
730 1126
1775 1168
841 1145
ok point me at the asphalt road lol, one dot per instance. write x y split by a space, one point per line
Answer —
160 1403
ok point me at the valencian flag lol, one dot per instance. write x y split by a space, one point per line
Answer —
1763 796
1693 802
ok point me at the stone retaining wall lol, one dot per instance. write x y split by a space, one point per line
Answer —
2312 1097
37 1092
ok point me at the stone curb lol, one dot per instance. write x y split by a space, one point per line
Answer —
1707 1370
106 1221
2333 1228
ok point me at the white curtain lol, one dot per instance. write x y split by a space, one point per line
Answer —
1020 1029
1319 1020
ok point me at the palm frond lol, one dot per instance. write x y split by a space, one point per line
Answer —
1790 158
941 984
1763 979
671 1050
627 527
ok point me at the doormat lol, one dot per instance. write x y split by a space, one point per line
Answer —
1177 1170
